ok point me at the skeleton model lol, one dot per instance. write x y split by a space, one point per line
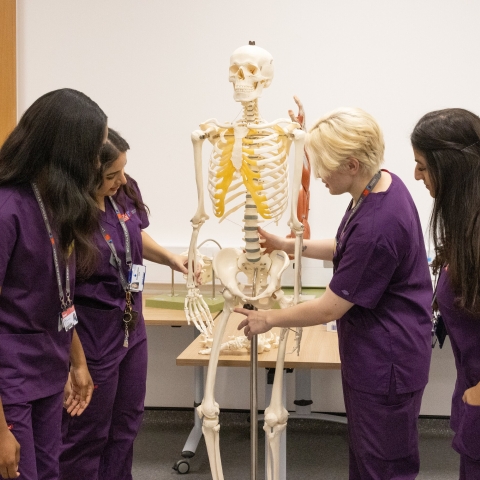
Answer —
248 169
265 343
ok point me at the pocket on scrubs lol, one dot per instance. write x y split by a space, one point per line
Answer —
390 430
400 430
101 331
19 353
467 438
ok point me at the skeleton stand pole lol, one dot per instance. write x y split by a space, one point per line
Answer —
254 394
253 408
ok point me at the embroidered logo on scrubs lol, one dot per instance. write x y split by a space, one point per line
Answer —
10 427
345 292
128 214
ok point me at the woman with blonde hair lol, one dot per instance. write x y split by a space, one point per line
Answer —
380 295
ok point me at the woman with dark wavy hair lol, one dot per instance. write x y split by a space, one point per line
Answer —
99 444
446 144
47 169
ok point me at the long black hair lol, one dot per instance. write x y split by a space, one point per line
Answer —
56 144
450 142
113 148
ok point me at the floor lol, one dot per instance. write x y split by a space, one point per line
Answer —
315 448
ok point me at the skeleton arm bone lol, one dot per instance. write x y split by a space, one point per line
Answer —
321 310
195 308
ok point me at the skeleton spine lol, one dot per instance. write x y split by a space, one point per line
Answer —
250 111
250 218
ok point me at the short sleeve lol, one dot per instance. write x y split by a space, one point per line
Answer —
364 272
8 238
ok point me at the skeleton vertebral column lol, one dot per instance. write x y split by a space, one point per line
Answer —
252 244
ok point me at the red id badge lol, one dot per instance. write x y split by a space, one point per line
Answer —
69 318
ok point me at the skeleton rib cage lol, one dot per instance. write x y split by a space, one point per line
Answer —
249 160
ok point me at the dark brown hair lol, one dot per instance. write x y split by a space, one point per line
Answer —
450 142
113 148
56 143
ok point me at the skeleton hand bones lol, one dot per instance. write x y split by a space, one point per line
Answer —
196 309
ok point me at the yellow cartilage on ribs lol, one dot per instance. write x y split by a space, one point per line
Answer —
221 188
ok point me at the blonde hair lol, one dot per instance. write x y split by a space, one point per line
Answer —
342 134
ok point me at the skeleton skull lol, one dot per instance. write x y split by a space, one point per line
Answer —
251 70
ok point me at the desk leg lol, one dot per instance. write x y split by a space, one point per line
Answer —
283 439
190 447
303 402
196 432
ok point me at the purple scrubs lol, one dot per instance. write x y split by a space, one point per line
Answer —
34 355
384 339
464 331
99 443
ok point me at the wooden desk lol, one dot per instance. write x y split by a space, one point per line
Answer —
319 349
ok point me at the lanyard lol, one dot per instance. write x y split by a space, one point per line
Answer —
128 251
65 300
366 191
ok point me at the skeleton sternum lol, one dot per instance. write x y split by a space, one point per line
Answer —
250 218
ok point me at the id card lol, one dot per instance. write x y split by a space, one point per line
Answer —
136 278
69 318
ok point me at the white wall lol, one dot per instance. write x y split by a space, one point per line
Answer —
159 68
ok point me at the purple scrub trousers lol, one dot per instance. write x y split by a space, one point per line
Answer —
383 433
99 443
36 427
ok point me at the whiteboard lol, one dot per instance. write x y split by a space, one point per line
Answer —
159 68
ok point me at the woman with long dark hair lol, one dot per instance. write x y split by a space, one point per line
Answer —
99 444
48 167
446 144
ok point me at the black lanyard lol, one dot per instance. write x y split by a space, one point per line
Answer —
366 191
65 299
128 251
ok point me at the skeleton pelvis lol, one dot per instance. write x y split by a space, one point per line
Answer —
266 275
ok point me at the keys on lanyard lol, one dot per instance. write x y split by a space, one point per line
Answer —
129 315
67 318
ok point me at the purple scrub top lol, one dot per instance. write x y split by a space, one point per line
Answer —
380 265
464 331
100 300
34 355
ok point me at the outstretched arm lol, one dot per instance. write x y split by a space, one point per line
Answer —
154 252
319 249
314 312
